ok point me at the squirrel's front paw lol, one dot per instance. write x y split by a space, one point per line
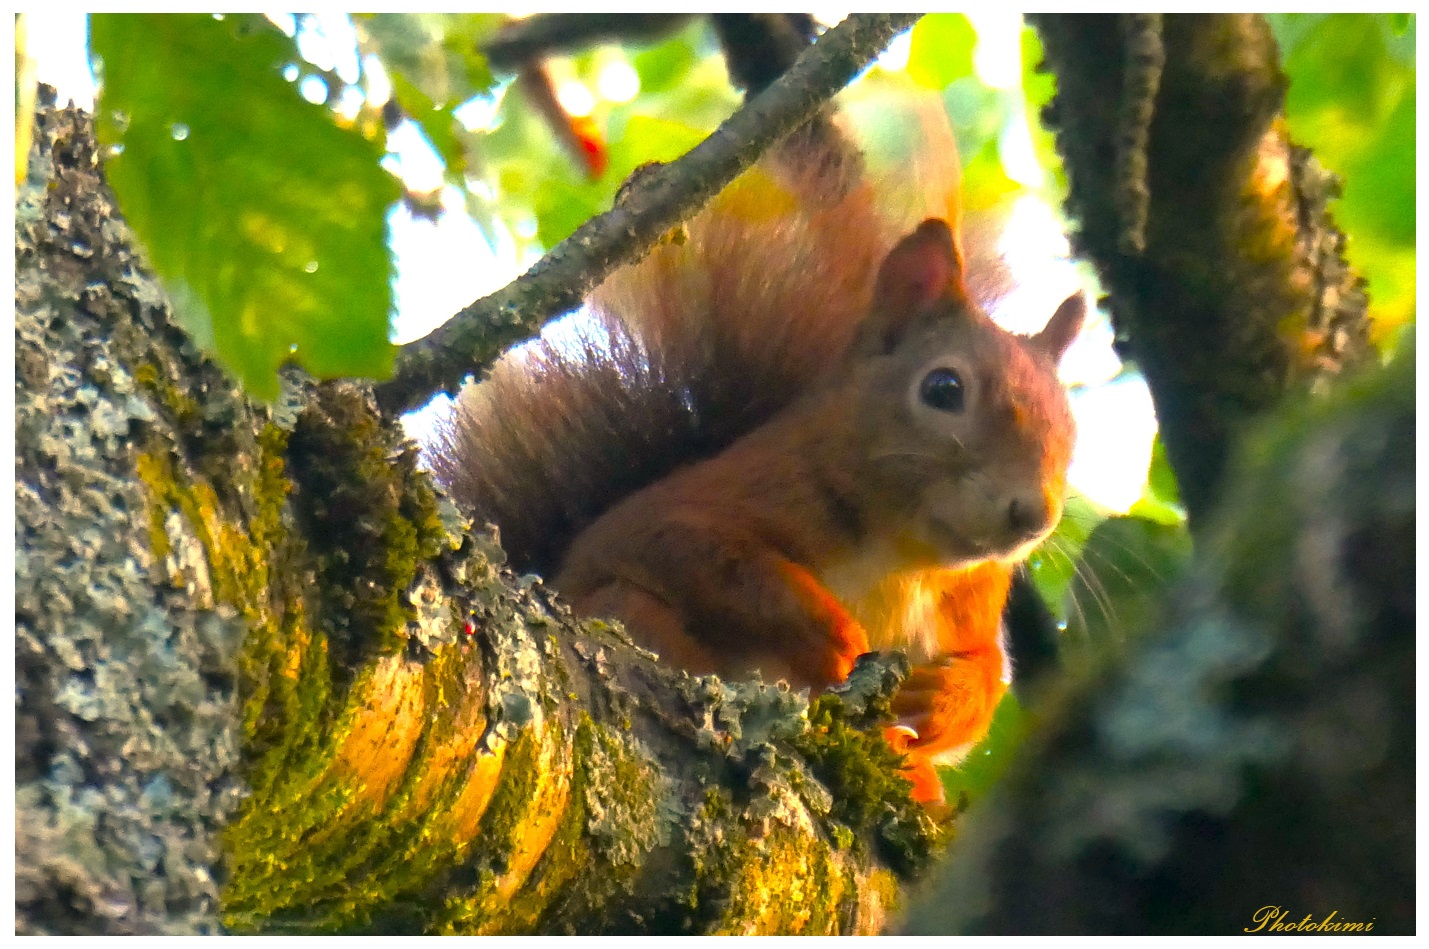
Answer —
827 654
950 704
917 767
831 639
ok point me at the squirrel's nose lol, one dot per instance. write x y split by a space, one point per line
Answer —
1028 517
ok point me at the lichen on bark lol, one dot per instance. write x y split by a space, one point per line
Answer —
126 725
268 681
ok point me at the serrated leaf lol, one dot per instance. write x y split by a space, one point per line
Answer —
941 49
265 220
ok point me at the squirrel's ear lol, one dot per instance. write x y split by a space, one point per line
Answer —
1063 327
923 267
920 268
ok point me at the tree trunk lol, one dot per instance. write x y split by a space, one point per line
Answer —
1209 228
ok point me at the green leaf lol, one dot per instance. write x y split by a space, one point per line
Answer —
1038 84
1352 99
439 53
648 138
435 64
941 49
1160 478
535 178
1038 87
565 202
665 65
265 220
436 124
977 113
985 184
979 771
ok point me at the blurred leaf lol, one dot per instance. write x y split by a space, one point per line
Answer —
265 220
941 49
436 124
1161 499
1159 512
647 138
665 65
1054 563
1160 478
534 178
1352 99
563 204
978 114
975 774
985 184
1038 84
435 64
438 53
1126 564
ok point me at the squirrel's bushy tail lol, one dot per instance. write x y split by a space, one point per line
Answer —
724 324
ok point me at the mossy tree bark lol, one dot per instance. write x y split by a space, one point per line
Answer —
268 681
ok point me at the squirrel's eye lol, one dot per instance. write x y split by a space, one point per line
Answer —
943 390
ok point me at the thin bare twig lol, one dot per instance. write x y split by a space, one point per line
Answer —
652 205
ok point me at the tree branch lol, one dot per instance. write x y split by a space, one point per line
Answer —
266 679
1240 291
655 203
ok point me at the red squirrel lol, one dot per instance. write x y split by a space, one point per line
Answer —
787 437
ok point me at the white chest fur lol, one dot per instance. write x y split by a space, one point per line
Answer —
888 599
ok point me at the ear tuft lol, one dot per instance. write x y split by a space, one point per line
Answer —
1063 327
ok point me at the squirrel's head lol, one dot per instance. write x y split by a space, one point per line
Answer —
970 432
